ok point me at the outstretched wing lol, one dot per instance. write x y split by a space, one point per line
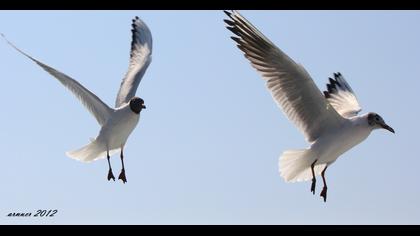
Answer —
290 85
140 58
93 104
341 96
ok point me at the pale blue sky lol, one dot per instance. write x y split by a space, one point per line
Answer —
207 146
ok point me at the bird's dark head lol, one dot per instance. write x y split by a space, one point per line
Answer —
137 104
376 122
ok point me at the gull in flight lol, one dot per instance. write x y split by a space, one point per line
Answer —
329 120
116 123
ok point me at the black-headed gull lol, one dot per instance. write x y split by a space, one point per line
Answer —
328 121
116 123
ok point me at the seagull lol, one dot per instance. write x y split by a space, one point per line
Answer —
329 120
116 123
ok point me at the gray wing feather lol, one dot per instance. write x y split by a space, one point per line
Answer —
289 83
93 104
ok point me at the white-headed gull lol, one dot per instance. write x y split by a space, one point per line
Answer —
328 121
116 123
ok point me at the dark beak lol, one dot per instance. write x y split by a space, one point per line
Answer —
143 106
387 127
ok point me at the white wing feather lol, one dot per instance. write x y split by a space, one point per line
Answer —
341 97
140 58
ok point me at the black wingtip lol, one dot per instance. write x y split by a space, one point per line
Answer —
330 88
228 13
229 22
135 19
236 39
327 94
333 83
337 76
233 30
331 80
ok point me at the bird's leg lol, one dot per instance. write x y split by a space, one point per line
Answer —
324 190
110 175
122 174
313 177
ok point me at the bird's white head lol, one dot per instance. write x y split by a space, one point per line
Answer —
375 121
137 104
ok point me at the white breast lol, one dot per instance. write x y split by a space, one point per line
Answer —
330 146
117 129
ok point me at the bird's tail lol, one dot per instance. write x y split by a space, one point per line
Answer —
91 152
295 165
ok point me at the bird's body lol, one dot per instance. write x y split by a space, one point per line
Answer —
329 121
327 148
331 145
112 136
116 131
116 123
294 165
